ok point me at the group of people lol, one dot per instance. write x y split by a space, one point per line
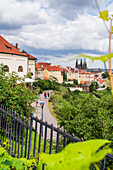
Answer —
46 95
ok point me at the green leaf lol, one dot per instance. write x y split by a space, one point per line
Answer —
104 15
81 154
7 162
103 58
112 29
18 164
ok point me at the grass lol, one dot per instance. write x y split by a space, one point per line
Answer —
51 108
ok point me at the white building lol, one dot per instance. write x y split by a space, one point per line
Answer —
15 60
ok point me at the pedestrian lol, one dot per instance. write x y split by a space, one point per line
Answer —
40 96
36 103
48 94
45 95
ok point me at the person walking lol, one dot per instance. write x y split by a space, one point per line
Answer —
40 96
45 95
36 103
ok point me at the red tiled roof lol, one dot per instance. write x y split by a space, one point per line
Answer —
44 65
6 47
82 82
103 80
71 69
30 56
65 70
82 70
45 78
38 66
86 73
54 68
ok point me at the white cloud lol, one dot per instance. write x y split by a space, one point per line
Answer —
55 25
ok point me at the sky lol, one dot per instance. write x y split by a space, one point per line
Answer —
56 31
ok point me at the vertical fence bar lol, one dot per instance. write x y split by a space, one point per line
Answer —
45 137
40 134
103 164
30 135
10 133
35 138
13 132
26 139
2 128
16 133
4 108
57 143
51 138
64 144
0 124
19 137
22 138
91 167
3 123
6 130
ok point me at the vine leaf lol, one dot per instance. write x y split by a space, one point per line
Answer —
104 15
112 29
103 58
80 154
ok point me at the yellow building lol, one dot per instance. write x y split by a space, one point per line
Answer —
55 71
47 71
86 76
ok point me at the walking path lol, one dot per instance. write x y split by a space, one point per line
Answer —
46 115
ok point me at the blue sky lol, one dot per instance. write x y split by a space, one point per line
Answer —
56 31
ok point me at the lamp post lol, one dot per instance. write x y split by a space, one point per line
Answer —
42 105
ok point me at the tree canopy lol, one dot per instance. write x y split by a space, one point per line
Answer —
15 96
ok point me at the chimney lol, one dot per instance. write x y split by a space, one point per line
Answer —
17 45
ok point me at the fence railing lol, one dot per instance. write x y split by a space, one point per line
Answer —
27 138
24 137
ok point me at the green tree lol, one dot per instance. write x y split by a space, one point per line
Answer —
75 81
105 75
85 115
64 76
15 96
94 86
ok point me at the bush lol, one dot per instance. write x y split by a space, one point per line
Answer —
85 115
7 162
15 96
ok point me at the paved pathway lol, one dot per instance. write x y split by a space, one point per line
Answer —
46 115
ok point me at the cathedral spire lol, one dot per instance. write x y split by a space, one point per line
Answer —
85 64
81 63
76 65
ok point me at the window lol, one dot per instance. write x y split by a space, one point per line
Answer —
29 70
8 47
20 69
6 68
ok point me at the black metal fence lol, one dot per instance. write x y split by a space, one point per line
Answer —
27 138
24 137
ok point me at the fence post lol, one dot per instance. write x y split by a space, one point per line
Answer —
30 135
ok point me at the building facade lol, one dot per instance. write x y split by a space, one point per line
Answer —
49 71
14 60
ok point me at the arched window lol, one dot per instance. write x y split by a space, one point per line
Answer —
6 68
20 69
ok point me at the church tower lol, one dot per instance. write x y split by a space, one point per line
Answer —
81 64
84 64
76 65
